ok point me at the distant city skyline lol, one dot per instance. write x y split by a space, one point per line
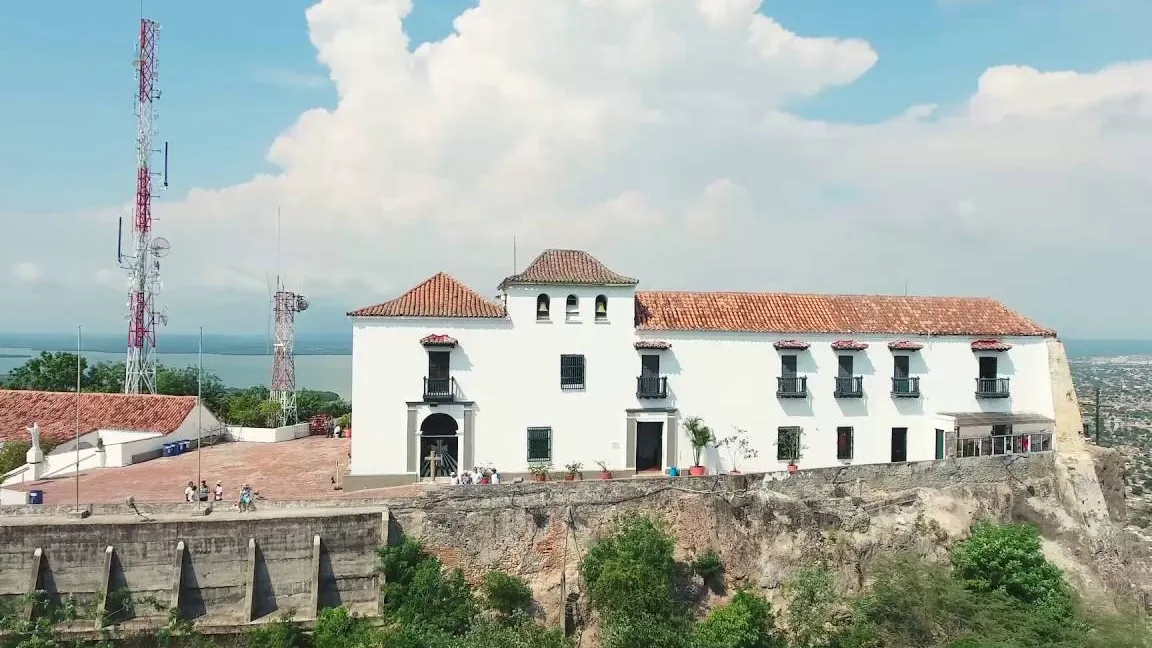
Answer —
995 148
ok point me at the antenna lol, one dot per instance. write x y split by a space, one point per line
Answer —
285 305
142 264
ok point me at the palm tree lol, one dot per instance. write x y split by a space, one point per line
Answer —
699 435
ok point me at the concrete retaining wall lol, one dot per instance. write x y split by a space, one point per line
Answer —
229 569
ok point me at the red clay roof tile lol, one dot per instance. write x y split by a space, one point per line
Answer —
437 339
441 295
905 345
848 314
573 267
990 345
55 413
652 344
791 345
849 345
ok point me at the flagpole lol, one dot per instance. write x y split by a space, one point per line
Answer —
199 411
79 359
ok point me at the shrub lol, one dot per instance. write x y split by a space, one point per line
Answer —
506 594
708 566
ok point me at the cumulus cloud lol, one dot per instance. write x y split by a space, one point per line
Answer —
659 135
27 272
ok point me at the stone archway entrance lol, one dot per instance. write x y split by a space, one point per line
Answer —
438 433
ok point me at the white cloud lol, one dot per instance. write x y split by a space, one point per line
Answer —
631 126
27 272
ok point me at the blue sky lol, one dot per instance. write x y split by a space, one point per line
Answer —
235 74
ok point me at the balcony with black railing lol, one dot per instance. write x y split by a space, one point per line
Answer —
441 390
652 387
849 387
992 388
792 387
906 387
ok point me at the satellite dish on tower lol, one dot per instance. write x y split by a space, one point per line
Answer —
160 247
301 304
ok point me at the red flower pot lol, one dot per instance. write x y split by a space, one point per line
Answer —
606 474
733 472
697 471
539 477
569 477
792 468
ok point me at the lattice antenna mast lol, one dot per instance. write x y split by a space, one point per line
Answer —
285 305
143 262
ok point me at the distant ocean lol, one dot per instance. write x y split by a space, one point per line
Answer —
323 361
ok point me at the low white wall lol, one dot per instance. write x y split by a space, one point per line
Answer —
268 435
12 497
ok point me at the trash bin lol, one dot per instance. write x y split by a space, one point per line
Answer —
185 446
35 496
166 450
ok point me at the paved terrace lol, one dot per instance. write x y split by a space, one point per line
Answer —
292 470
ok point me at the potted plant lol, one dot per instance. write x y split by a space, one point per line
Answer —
604 472
789 448
738 448
700 436
573 469
540 472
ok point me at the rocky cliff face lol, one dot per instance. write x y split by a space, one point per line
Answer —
766 528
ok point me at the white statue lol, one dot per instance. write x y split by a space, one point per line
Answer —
34 430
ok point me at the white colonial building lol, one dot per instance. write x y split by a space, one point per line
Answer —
572 364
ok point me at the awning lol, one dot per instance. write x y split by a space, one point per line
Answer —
979 424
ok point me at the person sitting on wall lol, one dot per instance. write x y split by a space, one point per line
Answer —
203 490
245 498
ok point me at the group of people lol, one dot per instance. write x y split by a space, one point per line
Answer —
246 501
477 476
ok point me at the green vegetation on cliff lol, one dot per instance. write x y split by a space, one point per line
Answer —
998 592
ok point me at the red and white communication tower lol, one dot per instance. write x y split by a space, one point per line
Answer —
142 262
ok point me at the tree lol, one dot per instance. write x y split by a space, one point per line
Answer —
745 622
1008 558
55 371
812 601
106 377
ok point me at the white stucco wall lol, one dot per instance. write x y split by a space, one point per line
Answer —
510 369
729 380
268 435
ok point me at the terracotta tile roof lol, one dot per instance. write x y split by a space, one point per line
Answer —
652 344
441 295
793 345
568 267
55 413
848 345
990 345
905 345
849 314
437 339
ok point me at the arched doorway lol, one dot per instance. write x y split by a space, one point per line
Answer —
438 434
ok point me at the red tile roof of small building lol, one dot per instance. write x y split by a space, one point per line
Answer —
990 345
905 345
652 344
568 267
55 413
847 314
849 345
792 345
441 295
